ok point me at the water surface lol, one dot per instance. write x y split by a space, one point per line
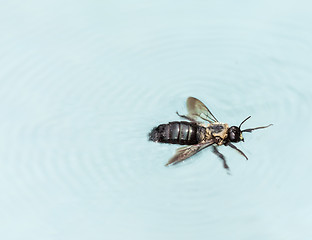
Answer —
82 84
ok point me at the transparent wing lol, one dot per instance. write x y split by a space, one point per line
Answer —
186 152
197 110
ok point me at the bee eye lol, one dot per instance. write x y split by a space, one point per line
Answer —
234 134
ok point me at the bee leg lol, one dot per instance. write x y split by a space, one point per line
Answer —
220 155
238 150
186 117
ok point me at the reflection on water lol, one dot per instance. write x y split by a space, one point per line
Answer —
80 91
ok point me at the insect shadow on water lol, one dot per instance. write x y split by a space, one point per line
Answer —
197 135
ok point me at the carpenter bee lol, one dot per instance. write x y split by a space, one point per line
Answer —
197 135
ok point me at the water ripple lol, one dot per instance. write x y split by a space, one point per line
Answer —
91 136
232 89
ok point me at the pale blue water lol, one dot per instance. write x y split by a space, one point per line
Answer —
83 82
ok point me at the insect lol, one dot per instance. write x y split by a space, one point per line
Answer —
198 135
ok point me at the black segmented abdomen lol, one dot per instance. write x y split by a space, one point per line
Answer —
184 133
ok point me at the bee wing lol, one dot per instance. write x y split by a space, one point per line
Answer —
196 109
186 152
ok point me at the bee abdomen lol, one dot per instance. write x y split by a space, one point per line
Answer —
183 133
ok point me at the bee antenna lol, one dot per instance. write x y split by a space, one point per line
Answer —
244 121
251 129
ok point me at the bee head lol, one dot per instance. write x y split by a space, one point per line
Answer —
235 133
